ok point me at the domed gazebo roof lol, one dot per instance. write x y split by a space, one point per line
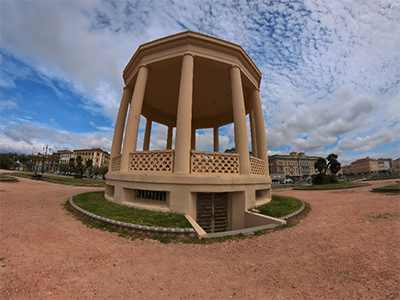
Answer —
212 99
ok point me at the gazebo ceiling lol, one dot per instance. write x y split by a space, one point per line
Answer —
212 96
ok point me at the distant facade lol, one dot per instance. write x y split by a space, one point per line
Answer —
396 165
365 165
100 157
38 161
294 164
347 169
65 155
385 163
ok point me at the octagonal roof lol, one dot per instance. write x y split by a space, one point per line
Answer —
212 102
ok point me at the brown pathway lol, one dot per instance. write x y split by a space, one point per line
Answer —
347 248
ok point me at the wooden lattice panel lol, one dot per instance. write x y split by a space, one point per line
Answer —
203 162
152 161
116 163
257 166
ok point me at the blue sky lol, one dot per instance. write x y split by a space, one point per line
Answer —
331 70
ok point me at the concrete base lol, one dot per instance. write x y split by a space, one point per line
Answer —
181 192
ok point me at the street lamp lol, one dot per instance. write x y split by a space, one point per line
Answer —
45 153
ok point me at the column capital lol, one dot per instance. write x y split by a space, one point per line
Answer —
143 66
188 53
235 66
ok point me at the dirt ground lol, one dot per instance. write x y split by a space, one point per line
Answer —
347 248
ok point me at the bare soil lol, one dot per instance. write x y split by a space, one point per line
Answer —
347 248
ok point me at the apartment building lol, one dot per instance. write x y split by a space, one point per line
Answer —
65 155
100 157
386 163
294 164
347 169
396 165
365 165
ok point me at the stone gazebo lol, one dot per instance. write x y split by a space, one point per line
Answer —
192 81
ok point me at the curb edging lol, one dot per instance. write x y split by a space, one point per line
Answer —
287 217
134 227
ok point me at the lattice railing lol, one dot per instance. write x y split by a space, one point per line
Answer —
257 166
203 162
116 163
152 161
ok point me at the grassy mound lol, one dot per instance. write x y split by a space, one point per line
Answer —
96 204
280 206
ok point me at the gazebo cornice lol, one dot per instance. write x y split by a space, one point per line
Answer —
180 42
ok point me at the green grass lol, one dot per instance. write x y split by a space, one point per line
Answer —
383 178
186 240
391 186
95 203
338 185
284 186
65 179
279 206
5 176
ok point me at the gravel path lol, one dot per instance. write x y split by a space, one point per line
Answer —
347 248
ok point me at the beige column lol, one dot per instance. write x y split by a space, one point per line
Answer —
120 123
260 128
184 117
146 142
216 139
169 137
239 118
193 140
132 125
253 133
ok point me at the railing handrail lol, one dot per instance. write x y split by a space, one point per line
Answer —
215 153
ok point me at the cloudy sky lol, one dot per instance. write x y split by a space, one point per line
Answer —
331 70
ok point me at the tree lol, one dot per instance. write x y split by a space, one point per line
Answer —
29 165
320 165
78 166
231 150
22 159
7 161
323 165
333 164
100 171
63 167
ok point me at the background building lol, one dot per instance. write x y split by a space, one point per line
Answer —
396 165
65 155
294 164
100 157
386 163
365 165
347 169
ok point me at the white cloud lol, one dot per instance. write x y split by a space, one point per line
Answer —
27 137
330 69
8 104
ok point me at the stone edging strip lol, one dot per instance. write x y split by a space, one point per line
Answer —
134 227
287 217
9 179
